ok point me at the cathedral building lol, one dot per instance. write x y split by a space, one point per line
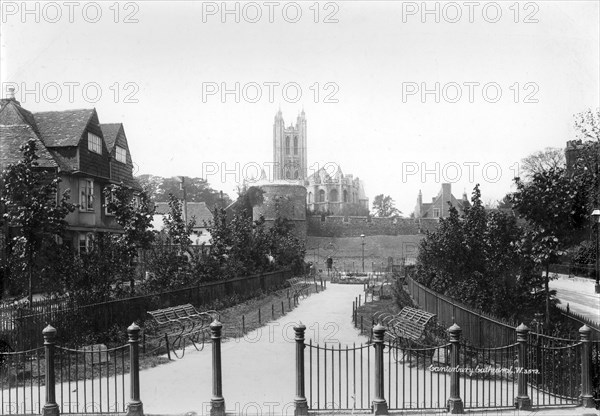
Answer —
328 190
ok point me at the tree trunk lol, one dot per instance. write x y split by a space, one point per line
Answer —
547 290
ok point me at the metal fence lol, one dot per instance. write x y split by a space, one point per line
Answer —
54 379
479 328
23 330
385 375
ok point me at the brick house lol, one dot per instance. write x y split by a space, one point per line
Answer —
438 207
86 155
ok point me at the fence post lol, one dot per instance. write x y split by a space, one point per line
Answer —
217 402
379 404
587 398
300 404
135 406
522 402
50 408
455 403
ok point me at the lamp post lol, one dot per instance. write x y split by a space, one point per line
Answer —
596 219
362 236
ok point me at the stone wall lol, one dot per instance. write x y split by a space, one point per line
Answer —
286 201
350 226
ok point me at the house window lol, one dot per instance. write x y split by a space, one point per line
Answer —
436 213
94 143
108 199
86 195
86 242
121 154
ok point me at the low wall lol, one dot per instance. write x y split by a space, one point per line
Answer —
350 226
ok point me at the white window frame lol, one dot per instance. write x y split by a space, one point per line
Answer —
88 242
107 200
121 154
86 195
94 143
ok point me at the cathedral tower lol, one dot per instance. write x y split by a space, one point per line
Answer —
289 149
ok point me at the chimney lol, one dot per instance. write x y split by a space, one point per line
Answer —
10 96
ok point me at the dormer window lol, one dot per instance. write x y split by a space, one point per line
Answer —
121 154
94 143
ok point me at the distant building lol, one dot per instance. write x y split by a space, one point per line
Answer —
192 210
327 190
439 207
574 151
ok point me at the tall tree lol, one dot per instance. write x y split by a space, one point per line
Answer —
541 161
31 201
553 203
383 206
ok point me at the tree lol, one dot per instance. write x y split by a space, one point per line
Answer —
553 204
383 206
171 260
472 258
31 201
541 161
197 190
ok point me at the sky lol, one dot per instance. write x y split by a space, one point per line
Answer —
404 95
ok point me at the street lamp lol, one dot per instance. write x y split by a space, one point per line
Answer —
362 236
596 218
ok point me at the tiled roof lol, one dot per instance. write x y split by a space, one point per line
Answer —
12 113
63 128
197 210
110 132
12 137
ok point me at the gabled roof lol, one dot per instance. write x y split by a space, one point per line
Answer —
110 131
63 128
197 210
12 137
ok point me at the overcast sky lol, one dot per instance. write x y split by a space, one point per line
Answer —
509 78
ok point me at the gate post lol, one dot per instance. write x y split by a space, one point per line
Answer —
379 404
217 402
522 402
587 398
455 403
135 406
300 405
50 408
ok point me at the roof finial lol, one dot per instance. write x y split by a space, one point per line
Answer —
11 93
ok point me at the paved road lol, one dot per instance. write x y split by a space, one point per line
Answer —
579 294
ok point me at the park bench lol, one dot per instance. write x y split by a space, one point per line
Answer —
299 287
175 324
406 330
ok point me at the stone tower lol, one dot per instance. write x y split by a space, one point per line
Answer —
289 149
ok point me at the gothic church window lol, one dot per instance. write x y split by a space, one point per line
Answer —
295 145
296 174
287 145
321 196
333 195
310 197
345 196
